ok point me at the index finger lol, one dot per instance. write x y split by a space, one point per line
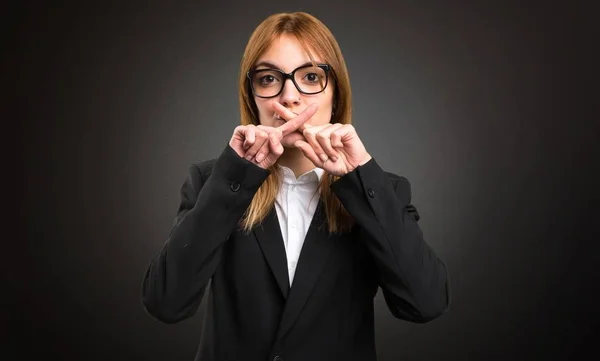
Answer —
296 122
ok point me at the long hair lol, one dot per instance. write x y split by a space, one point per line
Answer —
311 33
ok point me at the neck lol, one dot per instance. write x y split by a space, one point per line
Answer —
294 159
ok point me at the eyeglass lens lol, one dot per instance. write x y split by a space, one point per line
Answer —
308 80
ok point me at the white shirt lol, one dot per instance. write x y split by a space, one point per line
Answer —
295 204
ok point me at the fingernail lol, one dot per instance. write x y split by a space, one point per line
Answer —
259 158
323 157
248 157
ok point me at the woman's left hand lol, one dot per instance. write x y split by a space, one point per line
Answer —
336 148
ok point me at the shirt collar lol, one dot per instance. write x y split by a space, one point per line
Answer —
313 175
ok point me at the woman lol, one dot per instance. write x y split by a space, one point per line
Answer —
295 225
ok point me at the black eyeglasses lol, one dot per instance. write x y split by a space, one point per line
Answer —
308 79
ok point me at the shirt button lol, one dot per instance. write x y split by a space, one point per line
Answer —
293 264
234 186
277 358
371 192
293 225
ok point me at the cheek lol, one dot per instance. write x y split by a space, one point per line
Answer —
263 115
323 116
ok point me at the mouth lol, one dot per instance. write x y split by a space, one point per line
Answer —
276 116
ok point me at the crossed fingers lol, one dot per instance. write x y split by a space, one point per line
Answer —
294 122
322 138
262 140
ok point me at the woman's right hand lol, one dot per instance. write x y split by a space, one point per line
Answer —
261 144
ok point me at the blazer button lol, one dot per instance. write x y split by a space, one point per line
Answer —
234 186
371 192
277 358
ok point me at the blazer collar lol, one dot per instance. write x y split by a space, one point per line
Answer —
270 240
313 256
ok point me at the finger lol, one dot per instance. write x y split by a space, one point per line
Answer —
271 130
323 137
266 128
263 151
260 136
296 122
284 112
238 134
277 134
275 144
310 134
272 146
309 152
249 136
341 135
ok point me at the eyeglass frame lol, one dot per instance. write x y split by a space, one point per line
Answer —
326 67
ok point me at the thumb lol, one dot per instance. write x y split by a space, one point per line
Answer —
308 151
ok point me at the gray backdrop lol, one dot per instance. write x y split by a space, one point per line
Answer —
476 103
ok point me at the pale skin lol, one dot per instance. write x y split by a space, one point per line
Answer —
295 128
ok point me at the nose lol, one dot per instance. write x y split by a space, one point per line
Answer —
289 94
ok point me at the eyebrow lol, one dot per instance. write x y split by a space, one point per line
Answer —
273 66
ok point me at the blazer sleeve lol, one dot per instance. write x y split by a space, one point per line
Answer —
211 205
414 281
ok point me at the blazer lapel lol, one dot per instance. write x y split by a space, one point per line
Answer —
270 240
313 256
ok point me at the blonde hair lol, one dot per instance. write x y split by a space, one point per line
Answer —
312 33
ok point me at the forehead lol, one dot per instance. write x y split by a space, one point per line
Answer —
286 53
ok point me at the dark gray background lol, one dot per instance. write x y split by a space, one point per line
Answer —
480 106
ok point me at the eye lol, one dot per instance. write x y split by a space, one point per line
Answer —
267 79
312 77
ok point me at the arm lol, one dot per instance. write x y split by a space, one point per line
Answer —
210 208
414 281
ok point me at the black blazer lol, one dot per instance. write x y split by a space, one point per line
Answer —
327 314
